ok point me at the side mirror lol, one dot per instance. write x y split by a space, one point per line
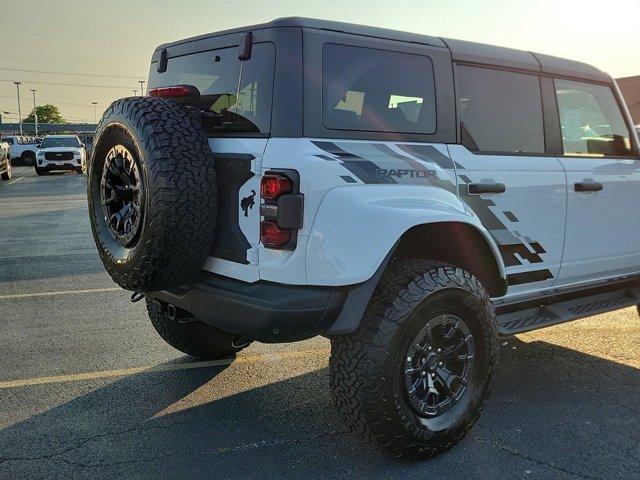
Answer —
83 145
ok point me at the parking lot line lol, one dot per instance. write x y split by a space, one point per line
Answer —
14 181
125 372
61 292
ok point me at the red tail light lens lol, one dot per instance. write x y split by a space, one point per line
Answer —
273 236
177 91
274 185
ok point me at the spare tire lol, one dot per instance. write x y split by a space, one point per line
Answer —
152 194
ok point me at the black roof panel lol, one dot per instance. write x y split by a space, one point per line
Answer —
460 50
571 68
488 54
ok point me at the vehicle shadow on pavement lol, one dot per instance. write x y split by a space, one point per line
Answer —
555 412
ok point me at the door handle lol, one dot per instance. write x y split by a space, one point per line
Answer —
588 187
480 188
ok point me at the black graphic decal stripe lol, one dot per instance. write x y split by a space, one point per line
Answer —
511 217
428 153
509 254
529 277
434 179
365 170
508 249
537 247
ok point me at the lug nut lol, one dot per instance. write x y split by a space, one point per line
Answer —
439 350
441 364
433 375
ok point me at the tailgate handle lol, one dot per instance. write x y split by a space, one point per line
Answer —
480 188
588 187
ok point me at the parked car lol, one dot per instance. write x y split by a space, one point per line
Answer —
5 161
23 149
407 196
61 152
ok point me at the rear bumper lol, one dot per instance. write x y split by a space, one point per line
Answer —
263 311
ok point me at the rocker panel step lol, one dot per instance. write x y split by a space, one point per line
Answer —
565 311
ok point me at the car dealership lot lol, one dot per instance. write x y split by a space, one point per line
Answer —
87 388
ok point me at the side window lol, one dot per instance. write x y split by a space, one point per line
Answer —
377 91
501 111
591 121
9 141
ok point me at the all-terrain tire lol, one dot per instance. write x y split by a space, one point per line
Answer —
368 366
178 210
193 338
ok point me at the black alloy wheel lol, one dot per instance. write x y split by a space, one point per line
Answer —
122 195
438 365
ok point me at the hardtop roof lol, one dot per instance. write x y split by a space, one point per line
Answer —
461 50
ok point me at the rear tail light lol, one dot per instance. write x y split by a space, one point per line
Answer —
282 209
273 236
274 185
177 91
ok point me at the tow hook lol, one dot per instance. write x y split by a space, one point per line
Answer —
136 297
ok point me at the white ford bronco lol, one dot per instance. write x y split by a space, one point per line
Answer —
409 197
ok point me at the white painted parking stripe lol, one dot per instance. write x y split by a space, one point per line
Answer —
125 372
14 181
62 292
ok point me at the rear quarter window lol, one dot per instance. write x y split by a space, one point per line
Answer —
375 90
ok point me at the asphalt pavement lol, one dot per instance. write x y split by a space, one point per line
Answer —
89 390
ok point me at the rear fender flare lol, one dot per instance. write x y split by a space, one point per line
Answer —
357 227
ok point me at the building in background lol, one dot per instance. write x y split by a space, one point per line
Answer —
630 87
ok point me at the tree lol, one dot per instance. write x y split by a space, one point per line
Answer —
46 114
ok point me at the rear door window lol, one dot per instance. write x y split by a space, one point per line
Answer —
236 96
501 111
377 90
591 121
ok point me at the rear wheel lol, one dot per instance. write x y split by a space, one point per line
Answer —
193 337
414 376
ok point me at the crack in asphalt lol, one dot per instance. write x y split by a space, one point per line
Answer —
76 445
217 451
499 444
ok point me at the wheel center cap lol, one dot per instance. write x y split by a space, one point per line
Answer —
432 362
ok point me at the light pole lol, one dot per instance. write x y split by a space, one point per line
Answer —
19 112
141 82
135 92
95 112
35 111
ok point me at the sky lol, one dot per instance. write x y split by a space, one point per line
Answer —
103 47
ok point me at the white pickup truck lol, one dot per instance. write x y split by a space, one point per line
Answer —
23 148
